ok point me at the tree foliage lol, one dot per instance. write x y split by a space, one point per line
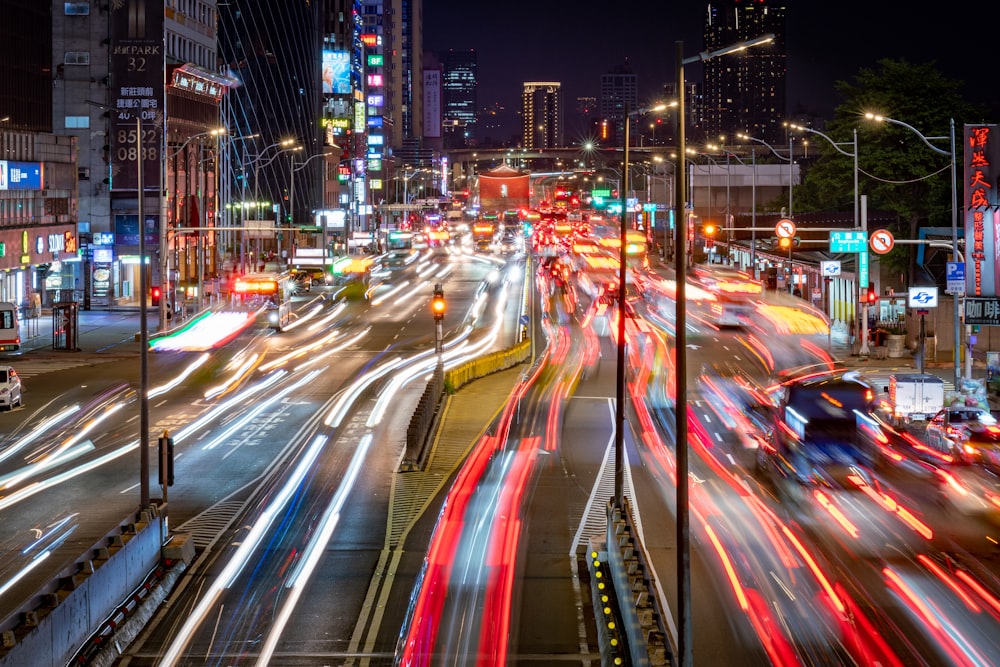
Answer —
897 171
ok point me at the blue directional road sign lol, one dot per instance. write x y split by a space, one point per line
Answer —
524 320
848 241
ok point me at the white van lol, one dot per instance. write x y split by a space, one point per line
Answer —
10 330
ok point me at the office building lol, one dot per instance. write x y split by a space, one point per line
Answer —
618 88
542 115
745 91
460 101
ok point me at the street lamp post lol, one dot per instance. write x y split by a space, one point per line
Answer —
859 222
952 153
286 145
143 315
622 274
686 655
291 197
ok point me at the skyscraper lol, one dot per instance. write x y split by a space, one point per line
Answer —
745 91
459 99
542 122
618 88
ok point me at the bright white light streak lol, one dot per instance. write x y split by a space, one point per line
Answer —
38 467
316 358
408 297
51 482
180 377
445 270
244 395
51 529
333 314
339 409
247 417
38 431
398 381
314 551
20 575
305 317
394 290
243 554
228 382
299 351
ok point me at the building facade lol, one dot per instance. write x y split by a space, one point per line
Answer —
459 99
542 115
618 88
745 91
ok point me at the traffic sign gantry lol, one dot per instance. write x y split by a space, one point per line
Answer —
881 241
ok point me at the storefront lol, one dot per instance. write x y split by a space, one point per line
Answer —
40 261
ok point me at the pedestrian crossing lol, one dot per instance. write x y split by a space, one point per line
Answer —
30 367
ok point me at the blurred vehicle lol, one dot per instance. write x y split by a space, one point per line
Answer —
966 434
823 431
10 331
482 246
303 282
914 396
10 388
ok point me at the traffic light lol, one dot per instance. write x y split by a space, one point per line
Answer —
166 457
437 303
155 295
871 298
709 230
784 243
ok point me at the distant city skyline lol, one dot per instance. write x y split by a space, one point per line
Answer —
827 42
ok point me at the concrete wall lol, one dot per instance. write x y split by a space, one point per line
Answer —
74 604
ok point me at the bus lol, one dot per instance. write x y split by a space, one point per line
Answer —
10 331
399 248
269 295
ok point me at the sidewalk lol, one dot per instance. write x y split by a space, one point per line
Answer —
98 332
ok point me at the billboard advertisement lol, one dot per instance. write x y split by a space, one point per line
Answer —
136 60
982 215
336 72
432 103
20 175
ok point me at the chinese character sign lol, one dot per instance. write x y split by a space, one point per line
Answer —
982 218
136 92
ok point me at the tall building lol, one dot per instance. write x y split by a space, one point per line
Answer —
460 101
280 98
745 91
542 115
618 88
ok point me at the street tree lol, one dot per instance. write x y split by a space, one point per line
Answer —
897 171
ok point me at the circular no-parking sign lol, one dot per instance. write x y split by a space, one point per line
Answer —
881 241
785 229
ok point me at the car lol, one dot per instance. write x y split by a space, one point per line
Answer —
482 246
10 388
968 434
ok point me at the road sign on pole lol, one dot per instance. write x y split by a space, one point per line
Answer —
785 229
881 241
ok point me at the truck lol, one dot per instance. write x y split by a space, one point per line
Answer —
914 397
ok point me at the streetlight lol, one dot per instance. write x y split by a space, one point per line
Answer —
291 197
858 222
166 291
789 160
680 344
620 388
143 316
285 144
954 213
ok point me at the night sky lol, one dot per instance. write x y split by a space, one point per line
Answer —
575 42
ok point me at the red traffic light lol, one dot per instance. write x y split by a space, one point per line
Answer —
872 296
154 293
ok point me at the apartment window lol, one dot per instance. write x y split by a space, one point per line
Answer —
76 8
77 122
77 58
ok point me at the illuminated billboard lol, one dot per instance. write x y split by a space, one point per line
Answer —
981 210
20 175
336 72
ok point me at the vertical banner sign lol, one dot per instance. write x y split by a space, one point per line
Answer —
432 103
982 216
136 92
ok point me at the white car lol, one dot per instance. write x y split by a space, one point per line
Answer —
10 388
